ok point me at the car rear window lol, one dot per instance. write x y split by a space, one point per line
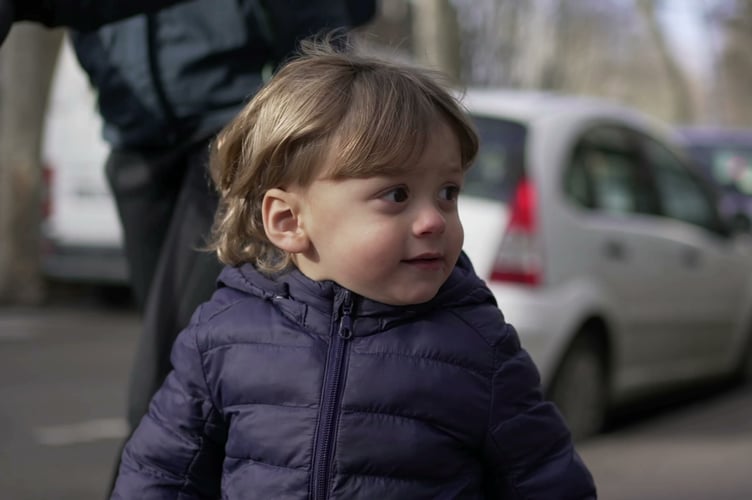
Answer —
501 159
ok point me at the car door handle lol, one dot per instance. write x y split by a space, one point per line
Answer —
690 257
614 250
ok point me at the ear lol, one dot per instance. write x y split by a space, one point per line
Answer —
282 225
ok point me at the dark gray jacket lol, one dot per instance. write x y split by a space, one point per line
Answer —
181 73
180 70
78 14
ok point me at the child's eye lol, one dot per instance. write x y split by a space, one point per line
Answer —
449 193
396 195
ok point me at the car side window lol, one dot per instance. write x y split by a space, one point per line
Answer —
605 173
576 184
731 168
681 193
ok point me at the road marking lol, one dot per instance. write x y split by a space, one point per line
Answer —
82 432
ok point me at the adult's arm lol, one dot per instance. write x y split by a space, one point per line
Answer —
292 20
82 15
7 16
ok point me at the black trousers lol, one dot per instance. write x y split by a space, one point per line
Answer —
166 204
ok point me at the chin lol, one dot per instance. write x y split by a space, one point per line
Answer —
414 299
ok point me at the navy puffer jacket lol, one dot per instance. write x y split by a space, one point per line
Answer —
295 389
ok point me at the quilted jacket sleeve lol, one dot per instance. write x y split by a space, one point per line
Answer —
529 449
178 448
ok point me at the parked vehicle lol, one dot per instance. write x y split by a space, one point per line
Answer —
81 233
605 249
725 157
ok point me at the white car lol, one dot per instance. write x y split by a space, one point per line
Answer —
81 233
604 249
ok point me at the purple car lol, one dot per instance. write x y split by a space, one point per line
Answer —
724 155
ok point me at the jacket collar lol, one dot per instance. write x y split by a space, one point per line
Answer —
315 304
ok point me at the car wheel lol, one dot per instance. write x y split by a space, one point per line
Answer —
740 222
579 388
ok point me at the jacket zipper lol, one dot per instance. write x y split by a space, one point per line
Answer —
330 404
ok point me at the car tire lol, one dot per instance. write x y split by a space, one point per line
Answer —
740 222
579 388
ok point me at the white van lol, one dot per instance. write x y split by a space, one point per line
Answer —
81 233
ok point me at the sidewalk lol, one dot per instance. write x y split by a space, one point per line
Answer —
63 373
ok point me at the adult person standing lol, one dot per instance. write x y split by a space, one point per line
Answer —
167 82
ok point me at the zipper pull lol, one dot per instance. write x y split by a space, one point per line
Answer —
345 323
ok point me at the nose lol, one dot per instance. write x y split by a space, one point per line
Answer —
429 220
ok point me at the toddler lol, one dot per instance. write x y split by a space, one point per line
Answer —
350 351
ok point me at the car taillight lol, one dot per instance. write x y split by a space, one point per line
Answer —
518 259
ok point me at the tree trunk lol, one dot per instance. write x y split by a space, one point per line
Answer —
27 61
736 67
436 36
683 102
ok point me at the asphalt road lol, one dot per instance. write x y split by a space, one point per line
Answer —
63 372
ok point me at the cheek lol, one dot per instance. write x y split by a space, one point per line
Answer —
456 240
374 245
457 232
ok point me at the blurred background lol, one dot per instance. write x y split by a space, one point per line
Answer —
68 326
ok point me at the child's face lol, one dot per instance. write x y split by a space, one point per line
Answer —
392 239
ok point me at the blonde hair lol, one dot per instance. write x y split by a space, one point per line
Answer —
365 116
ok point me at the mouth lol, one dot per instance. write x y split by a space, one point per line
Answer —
426 261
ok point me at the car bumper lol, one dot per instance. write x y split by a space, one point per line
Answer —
84 264
547 318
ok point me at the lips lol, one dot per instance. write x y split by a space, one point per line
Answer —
426 261
425 257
